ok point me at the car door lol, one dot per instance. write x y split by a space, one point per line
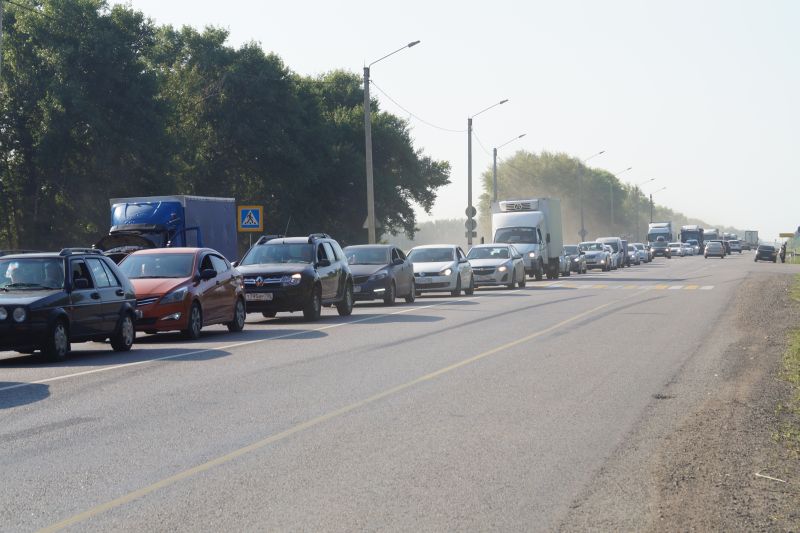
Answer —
464 268
210 293
399 269
326 269
86 316
111 294
225 287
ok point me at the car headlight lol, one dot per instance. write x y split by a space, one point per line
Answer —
292 280
446 272
378 275
20 314
502 268
532 255
602 261
576 259
175 296
3 314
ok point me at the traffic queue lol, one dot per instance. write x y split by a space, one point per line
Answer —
48 301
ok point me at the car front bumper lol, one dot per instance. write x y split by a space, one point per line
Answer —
371 289
435 283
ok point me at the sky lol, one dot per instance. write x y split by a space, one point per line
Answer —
700 96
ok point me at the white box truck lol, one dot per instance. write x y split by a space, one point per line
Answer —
534 228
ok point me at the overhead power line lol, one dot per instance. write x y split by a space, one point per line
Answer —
449 130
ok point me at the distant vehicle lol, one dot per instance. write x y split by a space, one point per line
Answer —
659 229
297 274
534 228
380 272
185 289
633 255
619 253
170 221
736 245
751 238
564 264
50 300
442 268
576 257
721 243
693 232
766 252
625 257
696 247
644 253
676 248
660 247
596 255
714 249
688 249
711 235
497 264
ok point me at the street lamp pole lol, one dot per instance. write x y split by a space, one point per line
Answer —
637 205
368 146
470 208
494 166
580 192
611 194
651 202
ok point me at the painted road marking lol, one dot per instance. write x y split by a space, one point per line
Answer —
227 458
676 287
658 287
706 287
691 287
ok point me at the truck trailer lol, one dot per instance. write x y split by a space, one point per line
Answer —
693 232
659 229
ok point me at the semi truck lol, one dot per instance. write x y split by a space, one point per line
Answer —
693 232
711 235
659 229
751 238
533 226
170 221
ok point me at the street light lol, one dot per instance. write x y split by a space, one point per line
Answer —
470 209
651 202
368 141
611 193
494 166
637 205
580 191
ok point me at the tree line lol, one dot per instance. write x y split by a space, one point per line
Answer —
98 102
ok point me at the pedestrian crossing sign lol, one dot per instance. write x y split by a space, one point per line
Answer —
251 217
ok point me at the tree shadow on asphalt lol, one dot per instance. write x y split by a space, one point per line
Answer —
15 394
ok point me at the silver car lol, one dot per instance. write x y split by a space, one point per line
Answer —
441 268
676 248
497 264
597 255
641 251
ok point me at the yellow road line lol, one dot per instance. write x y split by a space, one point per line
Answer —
599 286
180 476
691 287
660 287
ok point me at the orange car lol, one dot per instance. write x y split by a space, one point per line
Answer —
185 289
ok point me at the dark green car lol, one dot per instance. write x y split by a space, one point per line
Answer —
50 300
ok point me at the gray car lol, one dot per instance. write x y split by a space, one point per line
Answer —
577 258
497 264
596 255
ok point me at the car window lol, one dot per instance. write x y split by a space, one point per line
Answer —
220 265
329 251
460 253
112 277
206 263
79 271
395 255
337 250
98 272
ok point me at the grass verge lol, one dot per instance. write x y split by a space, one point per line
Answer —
790 431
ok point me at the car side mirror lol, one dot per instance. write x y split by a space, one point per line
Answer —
398 262
548 238
207 274
582 252
235 264
324 262
463 260
80 284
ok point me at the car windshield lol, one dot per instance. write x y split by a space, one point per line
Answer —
692 242
157 266
32 273
571 249
265 254
431 255
674 245
713 244
517 235
493 252
591 246
639 246
613 244
367 256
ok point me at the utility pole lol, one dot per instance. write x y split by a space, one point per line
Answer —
469 180
494 175
651 208
368 135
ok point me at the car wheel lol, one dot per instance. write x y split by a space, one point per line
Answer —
122 339
313 308
237 324
537 274
345 307
568 273
269 314
412 293
457 290
522 282
56 345
390 295
471 289
195 324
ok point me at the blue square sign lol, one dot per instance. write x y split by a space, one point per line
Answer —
251 217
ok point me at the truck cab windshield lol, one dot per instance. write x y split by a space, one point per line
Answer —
517 235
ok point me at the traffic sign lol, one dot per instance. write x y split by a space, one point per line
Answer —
471 211
474 233
471 224
251 217
788 235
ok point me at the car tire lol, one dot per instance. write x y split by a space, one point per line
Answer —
390 295
57 346
313 308
522 283
457 290
239 314
122 339
537 274
195 323
269 314
568 273
469 291
345 307
412 293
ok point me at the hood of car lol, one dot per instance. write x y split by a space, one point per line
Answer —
594 253
432 268
155 286
272 269
477 263
25 297
365 270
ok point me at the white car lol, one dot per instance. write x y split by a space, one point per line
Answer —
497 264
641 251
688 249
441 268
676 248
695 244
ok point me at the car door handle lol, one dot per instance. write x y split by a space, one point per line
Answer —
95 296
120 292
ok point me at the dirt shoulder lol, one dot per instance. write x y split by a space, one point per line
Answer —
697 461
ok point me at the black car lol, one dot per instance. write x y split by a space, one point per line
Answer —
577 258
296 274
765 252
49 300
660 248
380 271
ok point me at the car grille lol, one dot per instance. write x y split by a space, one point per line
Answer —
253 281
483 271
146 301
358 280
433 285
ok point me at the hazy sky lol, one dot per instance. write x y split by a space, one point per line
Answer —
700 95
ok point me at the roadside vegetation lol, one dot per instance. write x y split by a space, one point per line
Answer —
790 432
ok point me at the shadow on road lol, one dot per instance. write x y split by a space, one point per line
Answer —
78 358
14 394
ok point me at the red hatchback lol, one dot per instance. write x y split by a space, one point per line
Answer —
185 289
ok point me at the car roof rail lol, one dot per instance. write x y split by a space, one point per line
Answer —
73 251
318 236
264 238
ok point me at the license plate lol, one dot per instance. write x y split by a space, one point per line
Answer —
483 278
258 296
424 281
357 288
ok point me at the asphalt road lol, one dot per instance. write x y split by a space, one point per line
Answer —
488 412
